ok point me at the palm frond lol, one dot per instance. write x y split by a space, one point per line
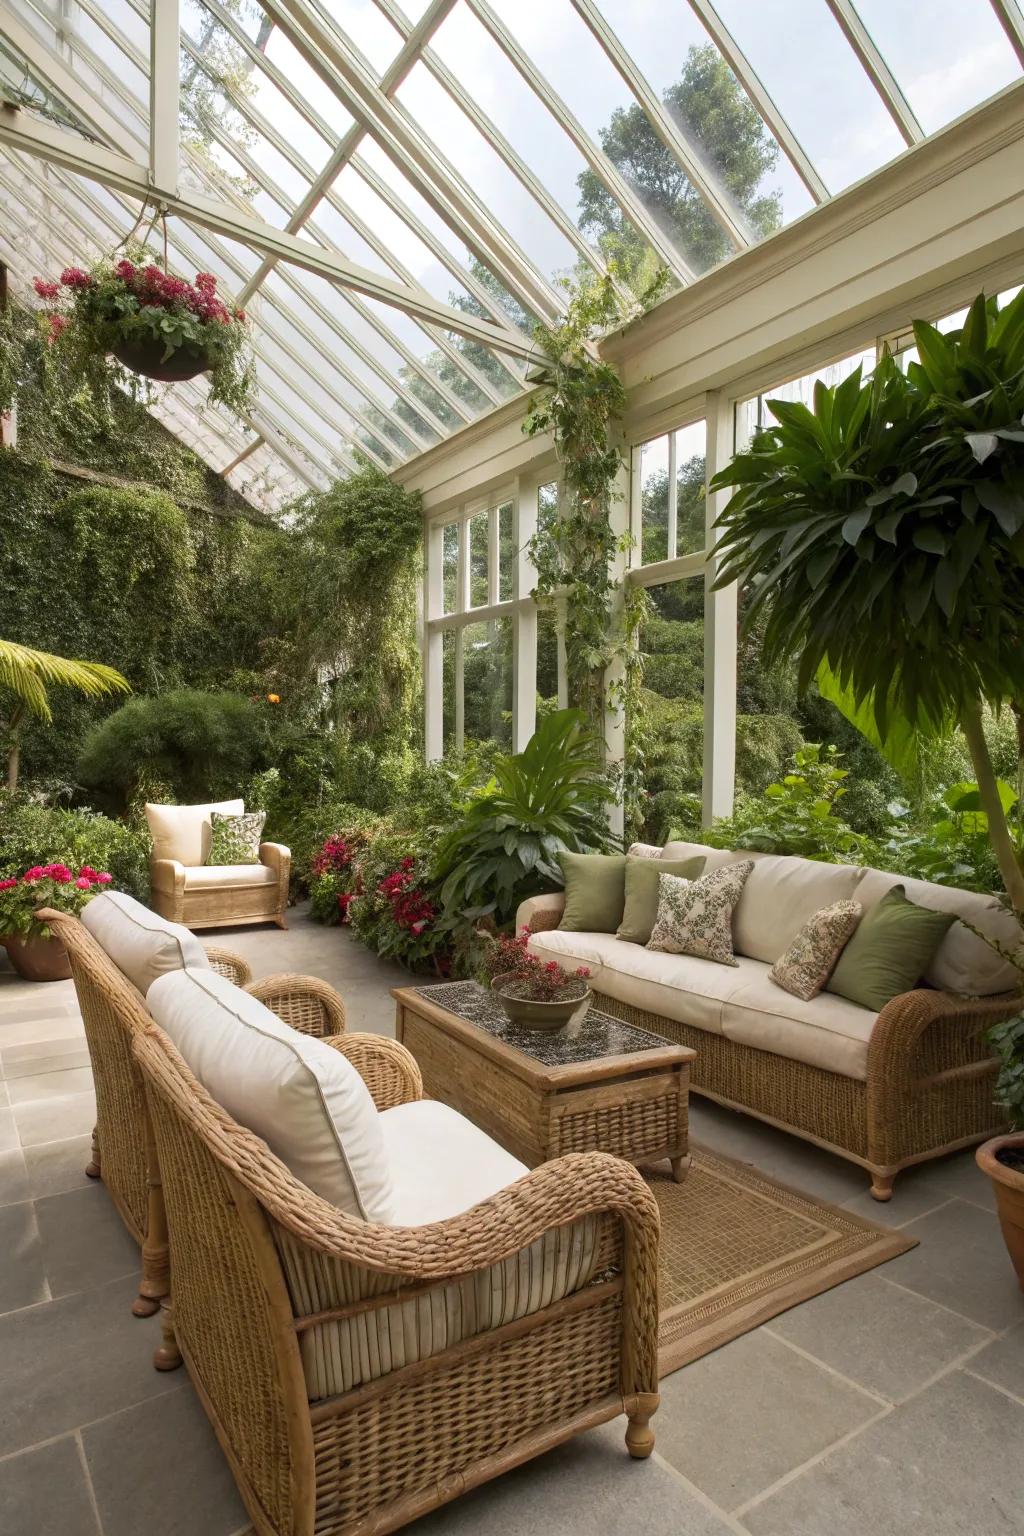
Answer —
28 673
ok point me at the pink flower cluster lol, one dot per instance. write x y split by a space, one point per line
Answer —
151 286
508 956
335 857
60 874
409 906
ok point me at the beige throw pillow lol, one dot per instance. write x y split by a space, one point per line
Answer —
695 916
811 958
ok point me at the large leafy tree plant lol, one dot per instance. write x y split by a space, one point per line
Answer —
881 536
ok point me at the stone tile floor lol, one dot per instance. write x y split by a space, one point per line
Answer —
894 1403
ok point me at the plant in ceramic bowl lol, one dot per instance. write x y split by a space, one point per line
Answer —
535 993
35 952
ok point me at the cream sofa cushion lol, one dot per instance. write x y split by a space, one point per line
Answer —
573 949
826 1031
441 1163
217 876
962 962
780 895
714 858
306 1100
183 832
142 944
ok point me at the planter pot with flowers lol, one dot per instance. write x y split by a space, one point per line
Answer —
534 993
155 324
35 953
1002 1158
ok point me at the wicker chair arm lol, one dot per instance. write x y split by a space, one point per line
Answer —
276 856
541 913
226 963
388 1069
166 875
305 1002
904 1023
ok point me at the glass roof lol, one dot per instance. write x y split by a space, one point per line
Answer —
473 151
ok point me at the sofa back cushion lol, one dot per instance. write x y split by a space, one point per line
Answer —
780 895
714 858
595 891
184 832
142 944
306 1100
962 962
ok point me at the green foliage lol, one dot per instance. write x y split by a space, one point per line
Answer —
505 846
1007 1040
197 746
31 833
950 842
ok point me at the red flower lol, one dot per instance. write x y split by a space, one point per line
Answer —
240 314
87 872
58 872
35 873
57 324
104 878
83 884
74 277
6 885
125 270
44 289
206 282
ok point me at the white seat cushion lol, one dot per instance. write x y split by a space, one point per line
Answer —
780 895
962 962
826 1031
573 949
184 832
142 944
220 875
441 1163
306 1100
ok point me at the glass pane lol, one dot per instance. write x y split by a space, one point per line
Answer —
506 553
478 547
654 501
947 55
753 415
547 658
487 681
450 566
691 447
448 648
547 504
672 647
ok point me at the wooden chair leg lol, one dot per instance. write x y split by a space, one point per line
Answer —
881 1185
639 1434
92 1168
156 1258
167 1356
681 1167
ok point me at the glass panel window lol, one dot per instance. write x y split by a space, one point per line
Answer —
654 501
478 553
754 415
449 647
487 681
547 504
506 553
672 524
691 451
450 566
672 648
547 658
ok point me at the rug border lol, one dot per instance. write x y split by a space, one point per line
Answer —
736 1321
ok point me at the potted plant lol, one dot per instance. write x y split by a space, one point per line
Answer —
153 323
36 954
535 994
1002 1158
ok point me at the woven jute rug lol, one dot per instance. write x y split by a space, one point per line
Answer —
738 1248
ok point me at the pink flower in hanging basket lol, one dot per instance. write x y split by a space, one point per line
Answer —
74 277
44 289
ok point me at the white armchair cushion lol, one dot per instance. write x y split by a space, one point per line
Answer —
210 877
306 1100
184 832
441 1163
142 944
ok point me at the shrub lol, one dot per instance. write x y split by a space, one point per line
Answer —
33 834
201 746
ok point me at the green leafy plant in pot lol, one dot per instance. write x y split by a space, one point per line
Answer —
535 994
1002 1158
34 951
880 535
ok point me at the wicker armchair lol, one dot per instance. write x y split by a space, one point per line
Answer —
113 1010
358 1376
185 889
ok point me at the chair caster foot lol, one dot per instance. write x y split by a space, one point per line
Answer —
145 1306
881 1186
639 1434
92 1171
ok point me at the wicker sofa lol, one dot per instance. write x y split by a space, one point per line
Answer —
885 1090
117 949
185 889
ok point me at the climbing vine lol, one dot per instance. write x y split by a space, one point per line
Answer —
583 398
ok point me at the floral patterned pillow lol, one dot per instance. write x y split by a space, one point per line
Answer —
811 958
235 839
695 916
643 851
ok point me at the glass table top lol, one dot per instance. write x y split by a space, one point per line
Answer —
594 1037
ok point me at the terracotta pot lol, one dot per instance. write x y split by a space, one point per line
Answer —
534 1015
1009 1188
38 959
145 358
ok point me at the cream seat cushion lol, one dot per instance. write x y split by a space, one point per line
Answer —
217 876
962 962
441 1163
573 949
306 1100
142 944
826 1031
184 832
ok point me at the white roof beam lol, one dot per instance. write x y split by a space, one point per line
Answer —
1011 19
877 70
714 196
164 33
749 79
610 178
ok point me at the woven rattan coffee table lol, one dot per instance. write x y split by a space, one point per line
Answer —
604 1086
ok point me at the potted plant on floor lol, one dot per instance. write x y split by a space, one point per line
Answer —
535 994
1002 1158
35 952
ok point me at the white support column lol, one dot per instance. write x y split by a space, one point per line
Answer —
164 42
673 500
433 643
524 621
720 617
461 606
615 717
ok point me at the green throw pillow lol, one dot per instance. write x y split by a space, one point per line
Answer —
889 951
595 891
641 907
235 839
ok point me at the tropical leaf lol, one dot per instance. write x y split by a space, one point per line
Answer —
28 673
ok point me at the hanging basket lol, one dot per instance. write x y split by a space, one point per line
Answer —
147 358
